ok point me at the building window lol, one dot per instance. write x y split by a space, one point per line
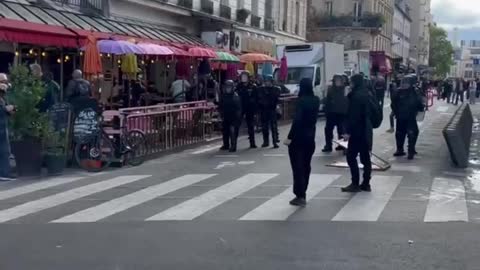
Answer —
285 15
468 74
240 4
468 65
329 8
357 10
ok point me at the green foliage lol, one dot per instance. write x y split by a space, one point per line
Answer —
54 144
441 51
25 94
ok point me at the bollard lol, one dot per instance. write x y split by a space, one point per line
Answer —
458 134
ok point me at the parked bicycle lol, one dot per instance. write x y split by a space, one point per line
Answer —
95 150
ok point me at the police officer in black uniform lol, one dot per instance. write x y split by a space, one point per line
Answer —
268 101
249 96
230 107
406 104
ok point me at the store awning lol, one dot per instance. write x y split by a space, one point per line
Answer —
34 20
34 33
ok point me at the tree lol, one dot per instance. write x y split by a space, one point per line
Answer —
441 51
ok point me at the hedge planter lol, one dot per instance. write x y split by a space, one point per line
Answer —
28 156
55 164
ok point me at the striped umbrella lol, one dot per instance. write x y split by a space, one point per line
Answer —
225 57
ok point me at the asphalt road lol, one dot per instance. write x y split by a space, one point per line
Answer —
205 209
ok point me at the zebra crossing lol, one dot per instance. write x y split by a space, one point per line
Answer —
446 201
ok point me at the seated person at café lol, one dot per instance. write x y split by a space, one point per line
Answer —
179 88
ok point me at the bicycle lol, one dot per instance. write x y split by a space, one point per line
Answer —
97 153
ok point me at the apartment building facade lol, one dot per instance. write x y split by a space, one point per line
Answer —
237 25
402 23
420 31
358 24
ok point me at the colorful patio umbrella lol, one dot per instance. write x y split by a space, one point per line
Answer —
178 52
92 64
267 69
154 49
118 47
202 52
257 58
225 57
250 68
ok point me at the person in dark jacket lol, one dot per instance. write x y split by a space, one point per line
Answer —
459 91
249 96
380 86
301 140
230 107
336 107
52 92
5 111
393 92
359 133
406 105
447 90
268 96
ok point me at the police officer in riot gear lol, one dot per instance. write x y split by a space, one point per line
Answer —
230 107
406 104
249 96
268 101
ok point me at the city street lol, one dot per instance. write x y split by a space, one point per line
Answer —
205 209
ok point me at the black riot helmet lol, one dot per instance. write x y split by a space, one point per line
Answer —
228 86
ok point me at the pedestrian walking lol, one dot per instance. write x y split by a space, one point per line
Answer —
406 106
230 108
268 101
336 107
472 88
393 92
301 140
249 96
6 110
380 86
447 90
359 134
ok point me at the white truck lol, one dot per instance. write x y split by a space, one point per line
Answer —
317 61
357 61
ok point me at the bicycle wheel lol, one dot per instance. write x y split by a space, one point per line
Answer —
137 144
96 155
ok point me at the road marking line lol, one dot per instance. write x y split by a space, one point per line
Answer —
274 155
367 206
17 191
277 208
118 205
207 149
447 201
199 205
64 197
226 156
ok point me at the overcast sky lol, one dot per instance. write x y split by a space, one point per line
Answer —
464 14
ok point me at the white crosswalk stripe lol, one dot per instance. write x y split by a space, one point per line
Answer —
197 206
133 199
14 192
368 206
67 196
447 201
277 208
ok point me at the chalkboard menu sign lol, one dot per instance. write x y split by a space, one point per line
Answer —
85 126
60 116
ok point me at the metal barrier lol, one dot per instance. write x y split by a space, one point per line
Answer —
170 129
169 126
458 134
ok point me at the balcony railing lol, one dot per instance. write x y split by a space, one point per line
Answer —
84 4
256 20
367 20
225 12
207 6
186 3
269 24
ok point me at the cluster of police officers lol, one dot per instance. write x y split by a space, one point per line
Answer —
244 101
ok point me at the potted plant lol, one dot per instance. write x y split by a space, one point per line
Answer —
242 15
55 156
28 124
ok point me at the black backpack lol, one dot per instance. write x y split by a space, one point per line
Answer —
375 111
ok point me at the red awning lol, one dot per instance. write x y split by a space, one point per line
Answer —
38 34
